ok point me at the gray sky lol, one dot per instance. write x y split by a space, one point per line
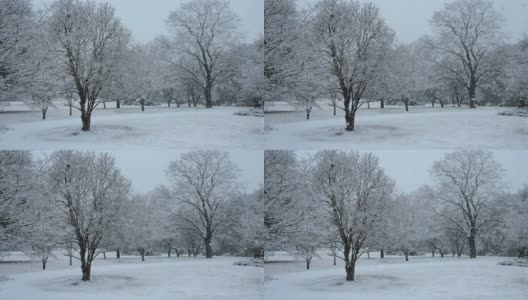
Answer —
410 18
146 18
410 168
146 168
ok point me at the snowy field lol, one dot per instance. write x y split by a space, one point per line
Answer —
393 128
128 278
392 278
156 128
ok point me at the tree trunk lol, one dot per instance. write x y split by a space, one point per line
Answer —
169 252
142 253
208 96
118 253
208 248
382 253
382 103
472 244
85 118
70 105
368 104
335 109
350 269
308 111
44 260
104 105
142 102
308 260
118 104
368 254
71 256
406 102
441 103
335 256
104 254
441 253
85 268
406 253
43 114
472 93
433 252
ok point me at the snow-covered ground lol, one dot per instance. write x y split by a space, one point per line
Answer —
156 128
129 278
392 278
422 127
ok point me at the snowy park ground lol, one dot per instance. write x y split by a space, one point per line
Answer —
392 278
157 128
129 278
423 127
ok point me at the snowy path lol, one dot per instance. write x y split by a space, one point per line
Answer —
393 128
156 128
176 279
393 278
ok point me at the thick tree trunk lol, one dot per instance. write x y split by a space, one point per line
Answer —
168 252
335 109
71 112
118 253
208 248
382 253
208 96
104 254
85 268
350 269
472 93
382 103
472 244
104 105
43 115
118 104
86 120
142 102
308 111
441 253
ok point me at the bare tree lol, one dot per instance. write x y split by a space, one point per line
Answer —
91 41
204 30
203 182
468 180
467 33
355 40
90 191
354 190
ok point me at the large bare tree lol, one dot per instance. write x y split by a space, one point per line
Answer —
468 182
89 190
354 190
92 42
204 30
203 183
468 32
355 41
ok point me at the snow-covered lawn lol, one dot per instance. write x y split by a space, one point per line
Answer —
393 128
156 128
392 278
129 278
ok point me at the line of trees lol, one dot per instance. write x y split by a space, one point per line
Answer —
80 51
81 204
342 201
343 52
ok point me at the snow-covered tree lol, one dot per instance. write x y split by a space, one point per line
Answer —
467 182
354 190
89 190
91 41
203 31
467 31
202 184
355 41
142 226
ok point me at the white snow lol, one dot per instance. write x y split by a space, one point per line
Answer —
129 278
393 128
392 278
156 128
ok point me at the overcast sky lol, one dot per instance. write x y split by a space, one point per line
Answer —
411 168
410 18
146 168
146 18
